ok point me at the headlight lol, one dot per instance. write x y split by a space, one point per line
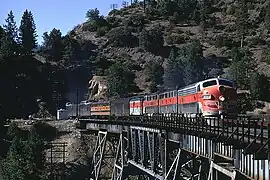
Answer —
221 98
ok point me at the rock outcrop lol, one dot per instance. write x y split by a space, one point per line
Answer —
98 88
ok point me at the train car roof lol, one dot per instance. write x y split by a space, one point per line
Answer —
101 102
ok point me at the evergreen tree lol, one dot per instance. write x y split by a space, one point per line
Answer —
120 80
15 166
259 87
11 27
9 38
192 60
151 40
241 67
53 44
242 20
25 159
154 73
92 14
173 72
28 35
267 15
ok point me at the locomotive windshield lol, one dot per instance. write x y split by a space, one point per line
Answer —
209 83
225 83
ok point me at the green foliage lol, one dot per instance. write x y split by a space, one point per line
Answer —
154 72
9 38
244 103
44 130
259 87
184 66
223 40
14 131
11 27
25 159
136 21
267 16
92 14
27 32
241 67
176 38
53 45
100 64
120 80
242 23
121 36
151 40
101 31
95 21
254 41
191 57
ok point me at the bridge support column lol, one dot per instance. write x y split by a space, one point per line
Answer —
104 155
121 158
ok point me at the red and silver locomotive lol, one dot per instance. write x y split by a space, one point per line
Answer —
210 97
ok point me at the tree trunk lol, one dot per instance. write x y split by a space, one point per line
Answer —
242 39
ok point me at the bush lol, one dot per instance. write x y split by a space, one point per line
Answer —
121 37
151 40
45 130
255 40
102 31
224 41
115 12
136 21
90 26
176 38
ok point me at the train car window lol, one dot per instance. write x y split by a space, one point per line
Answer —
171 93
209 83
225 83
198 88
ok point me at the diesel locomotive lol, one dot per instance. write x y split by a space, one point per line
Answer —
210 97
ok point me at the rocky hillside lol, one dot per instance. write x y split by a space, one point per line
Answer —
119 34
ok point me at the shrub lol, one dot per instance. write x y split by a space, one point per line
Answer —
224 41
122 36
136 21
254 40
102 31
176 38
151 40
115 12
45 130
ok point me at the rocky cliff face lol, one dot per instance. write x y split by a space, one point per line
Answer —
98 88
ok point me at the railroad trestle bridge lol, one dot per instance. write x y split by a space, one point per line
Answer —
179 147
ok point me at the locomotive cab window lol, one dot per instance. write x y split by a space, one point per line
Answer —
209 83
225 83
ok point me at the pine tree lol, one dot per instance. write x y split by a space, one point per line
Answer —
259 87
192 60
154 73
28 35
120 80
241 67
242 20
53 44
11 27
9 38
15 166
173 72
267 15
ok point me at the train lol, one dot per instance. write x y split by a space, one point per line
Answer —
210 97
